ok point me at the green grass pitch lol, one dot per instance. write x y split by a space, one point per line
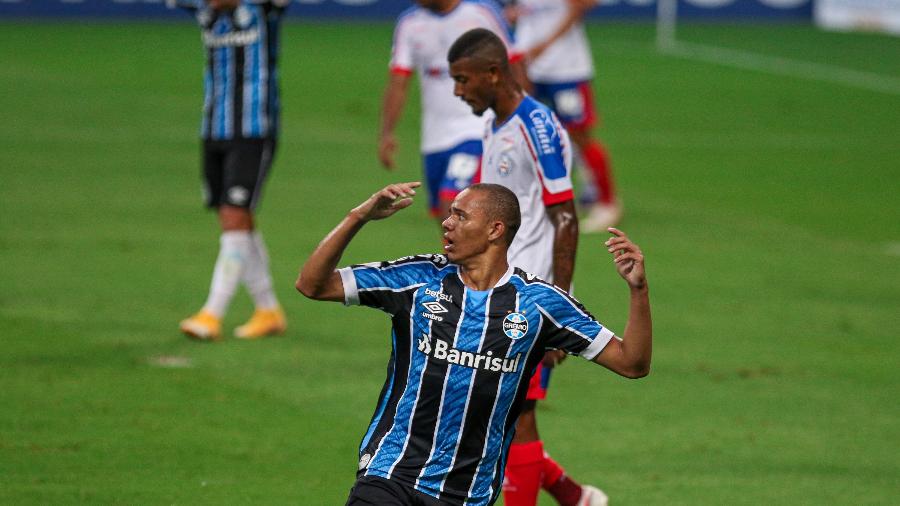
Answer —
767 207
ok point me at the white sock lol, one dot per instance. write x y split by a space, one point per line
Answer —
257 277
235 248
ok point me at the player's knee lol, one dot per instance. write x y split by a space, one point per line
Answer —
235 218
580 136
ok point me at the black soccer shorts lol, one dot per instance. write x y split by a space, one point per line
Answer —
375 491
234 171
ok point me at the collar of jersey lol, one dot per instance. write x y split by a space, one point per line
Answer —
495 127
439 15
500 282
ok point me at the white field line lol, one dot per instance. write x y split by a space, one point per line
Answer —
785 66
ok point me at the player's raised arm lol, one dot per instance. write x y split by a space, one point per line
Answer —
577 10
631 355
281 4
318 278
190 5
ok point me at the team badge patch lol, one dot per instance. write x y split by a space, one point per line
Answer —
242 17
504 166
238 195
515 325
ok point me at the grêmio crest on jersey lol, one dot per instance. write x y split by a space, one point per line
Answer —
515 325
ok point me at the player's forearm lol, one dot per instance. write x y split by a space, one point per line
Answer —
564 256
392 104
565 243
577 11
316 278
637 340
183 4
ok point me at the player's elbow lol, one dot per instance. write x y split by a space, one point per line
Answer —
308 289
636 371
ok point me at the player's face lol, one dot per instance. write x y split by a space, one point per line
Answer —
467 228
220 5
474 83
434 5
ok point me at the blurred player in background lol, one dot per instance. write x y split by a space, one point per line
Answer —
527 151
239 132
551 36
450 133
468 330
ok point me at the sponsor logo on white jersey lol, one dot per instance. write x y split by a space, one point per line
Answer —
544 129
439 349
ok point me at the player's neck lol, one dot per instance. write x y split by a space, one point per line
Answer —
484 271
446 6
508 100
223 6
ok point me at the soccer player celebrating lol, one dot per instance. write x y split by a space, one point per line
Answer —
468 331
450 134
239 132
551 36
526 150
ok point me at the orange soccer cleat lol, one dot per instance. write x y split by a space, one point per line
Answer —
264 322
203 326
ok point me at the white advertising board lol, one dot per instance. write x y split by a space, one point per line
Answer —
869 15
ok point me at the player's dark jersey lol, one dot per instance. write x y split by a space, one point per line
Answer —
241 78
459 370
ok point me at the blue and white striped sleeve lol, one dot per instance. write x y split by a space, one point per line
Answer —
388 285
551 155
570 327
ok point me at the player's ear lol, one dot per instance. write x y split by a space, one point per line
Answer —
494 70
498 230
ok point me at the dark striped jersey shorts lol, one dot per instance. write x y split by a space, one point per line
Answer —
234 171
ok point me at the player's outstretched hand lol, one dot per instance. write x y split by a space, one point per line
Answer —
387 201
387 144
628 258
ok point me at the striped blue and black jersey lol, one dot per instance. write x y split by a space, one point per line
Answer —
459 370
241 78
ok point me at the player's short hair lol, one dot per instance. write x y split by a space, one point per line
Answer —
501 204
479 43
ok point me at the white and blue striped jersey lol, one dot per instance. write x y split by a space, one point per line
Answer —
241 78
530 154
566 60
422 39
459 369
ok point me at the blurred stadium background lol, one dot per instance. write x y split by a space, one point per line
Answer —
758 157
